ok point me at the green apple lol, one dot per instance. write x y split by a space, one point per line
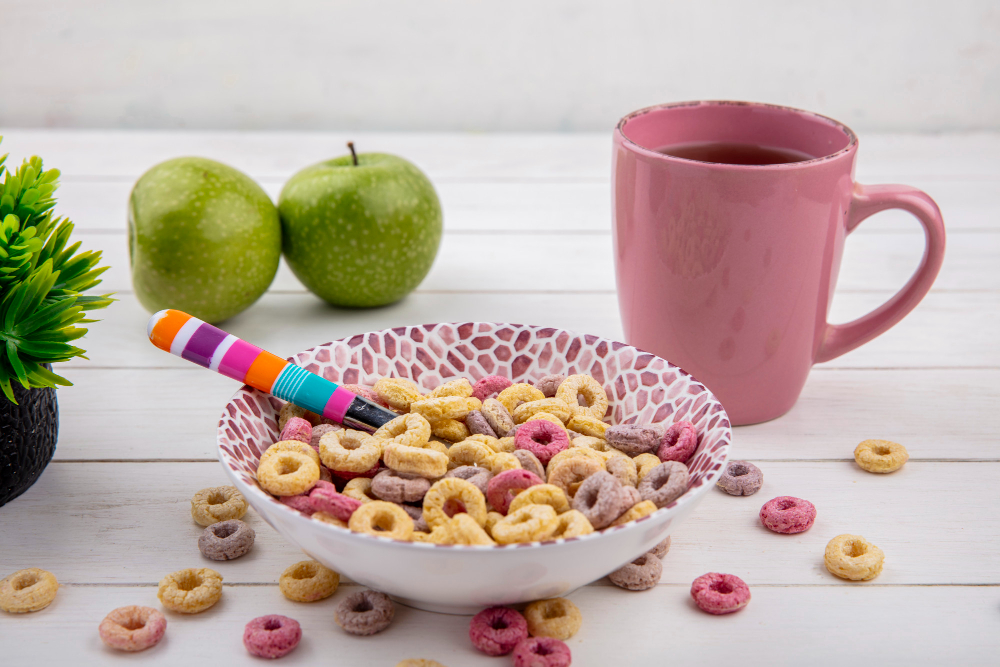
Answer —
203 238
360 234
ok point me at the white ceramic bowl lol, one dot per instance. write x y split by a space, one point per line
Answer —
642 388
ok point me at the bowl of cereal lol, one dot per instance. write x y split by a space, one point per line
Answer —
526 461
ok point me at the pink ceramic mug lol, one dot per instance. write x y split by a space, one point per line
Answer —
728 270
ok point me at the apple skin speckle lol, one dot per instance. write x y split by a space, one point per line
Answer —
360 236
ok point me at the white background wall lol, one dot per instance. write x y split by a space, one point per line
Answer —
502 65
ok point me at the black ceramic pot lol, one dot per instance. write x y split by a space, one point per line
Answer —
28 433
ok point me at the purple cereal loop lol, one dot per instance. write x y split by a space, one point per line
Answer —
300 503
319 431
661 549
478 477
530 462
549 384
417 514
476 423
490 386
226 540
502 488
132 628
741 478
633 439
541 652
633 495
542 438
788 515
679 442
601 499
398 487
497 630
271 636
718 593
641 574
365 613
665 483
327 499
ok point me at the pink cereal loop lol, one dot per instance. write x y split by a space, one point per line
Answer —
297 428
501 489
542 438
679 442
133 628
788 515
542 652
718 593
271 636
497 630
326 499
490 386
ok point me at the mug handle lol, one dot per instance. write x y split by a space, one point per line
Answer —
866 201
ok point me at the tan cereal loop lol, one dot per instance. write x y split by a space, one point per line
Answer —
420 536
359 488
557 618
461 529
460 387
593 392
624 470
446 407
291 446
572 524
410 430
218 503
591 442
287 474
587 424
349 451
569 474
492 443
541 494
853 557
383 519
502 461
422 461
451 430
571 453
469 453
491 520
514 395
549 417
326 517
553 406
497 417
419 662
637 511
308 581
27 590
190 591
531 523
506 445
398 393
645 463
450 496
881 456
437 446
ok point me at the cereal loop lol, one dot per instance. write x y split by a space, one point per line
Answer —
532 523
450 496
593 392
542 439
718 593
601 499
497 630
489 387
587 425
27 590
516 394
679 442
398 393
553 406
271 636
645 463
568 475
469 453
477 424
460 387
419 662
287 473
573 452
396 487
624 470
290 410
297 429
498 417
365 613
132 628
853 557
461 529
541 494
506 485
425 462
661 548
478 477
541 652
220 503
502 462
529 461
319 432
637 511
881 456
788 515
291 446
641 574
226 540
190 591
324 498
324 517
382 519
410 430
549 417
665 483
308 581
446 407
360 489
557 618
349 451
634 439
549 384
572 524
741 478
451 430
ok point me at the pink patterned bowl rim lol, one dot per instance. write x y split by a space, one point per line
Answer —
641 387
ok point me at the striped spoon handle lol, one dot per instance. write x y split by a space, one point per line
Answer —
189 338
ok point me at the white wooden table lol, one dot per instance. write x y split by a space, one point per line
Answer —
110 516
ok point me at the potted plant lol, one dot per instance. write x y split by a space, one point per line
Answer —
42 280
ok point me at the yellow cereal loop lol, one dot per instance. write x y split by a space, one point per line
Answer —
287 474
546 416
422 461
881 456
587 424
469 453
541 494
572 524
190 591
349 450
554 406
219 503
637 511
491 520
573 452
506 445
597 400
450 496
383 519
326 517
853 557
569 474
460 387
411 430
451 430
419 662
492 443
645 463
531 523
557 618
624 470
398 393
437 446
359 488
420 536
461 529
291 446
514 395
446 407
597 444
308 581
27 590
502 461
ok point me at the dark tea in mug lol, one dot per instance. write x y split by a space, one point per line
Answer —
733 152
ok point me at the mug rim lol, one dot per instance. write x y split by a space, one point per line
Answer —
852 138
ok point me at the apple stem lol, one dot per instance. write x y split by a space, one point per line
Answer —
354 156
